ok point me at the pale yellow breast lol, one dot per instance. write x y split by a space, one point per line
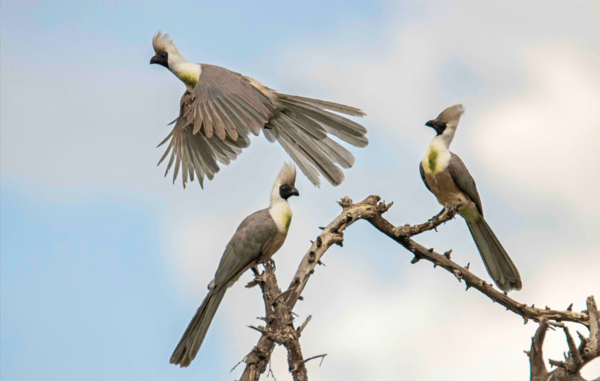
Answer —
190 80
281 215
436 159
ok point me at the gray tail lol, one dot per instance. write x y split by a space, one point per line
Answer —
194 334
497 262
302 127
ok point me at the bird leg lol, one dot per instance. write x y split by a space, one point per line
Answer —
269 262
258 277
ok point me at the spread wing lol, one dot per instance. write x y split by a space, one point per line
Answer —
217 116
463 179
214 122
302 127
226 103
245 247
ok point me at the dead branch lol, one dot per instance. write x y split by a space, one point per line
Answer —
536 357
279 327
578 357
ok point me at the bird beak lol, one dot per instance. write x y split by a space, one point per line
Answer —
294 192
153 60
437 126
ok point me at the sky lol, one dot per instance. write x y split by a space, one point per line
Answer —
104 261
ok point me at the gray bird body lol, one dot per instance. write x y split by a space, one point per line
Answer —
220 108
256 239
447 177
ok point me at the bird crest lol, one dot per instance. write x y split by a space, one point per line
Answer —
451 115
162 43
287 175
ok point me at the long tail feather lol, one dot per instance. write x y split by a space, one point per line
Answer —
194 335
497 262
302 127
348 110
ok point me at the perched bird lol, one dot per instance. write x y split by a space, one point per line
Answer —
447 177
257 238
220 108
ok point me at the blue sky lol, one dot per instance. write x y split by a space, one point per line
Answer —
104 261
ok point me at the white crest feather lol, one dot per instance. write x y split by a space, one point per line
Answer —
287 175
451 115
162 43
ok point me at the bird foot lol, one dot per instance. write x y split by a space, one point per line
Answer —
269 262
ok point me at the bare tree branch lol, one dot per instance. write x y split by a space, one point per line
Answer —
278 330
471 280
536 358
279 320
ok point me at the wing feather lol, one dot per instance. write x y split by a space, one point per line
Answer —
230 127
207 120
243 120
197 121
233 116
299 157
338 153
463 180
312 150
177 155
260 119
307 124
218 115
245 247
327 118
348 110
218 124
422 172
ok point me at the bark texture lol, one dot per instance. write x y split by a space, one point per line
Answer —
279 327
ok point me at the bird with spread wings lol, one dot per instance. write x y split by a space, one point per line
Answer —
220 108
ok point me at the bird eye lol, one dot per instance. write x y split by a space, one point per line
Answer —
163 54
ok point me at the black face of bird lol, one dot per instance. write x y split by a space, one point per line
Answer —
161 59
285 191
437 126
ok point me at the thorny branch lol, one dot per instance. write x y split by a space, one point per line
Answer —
578 357
279 327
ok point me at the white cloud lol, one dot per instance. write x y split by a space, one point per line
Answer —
528 73
548 138
531 93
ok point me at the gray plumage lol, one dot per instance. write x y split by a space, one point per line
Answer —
496 260
463 180
447 177
245 248
256 239
221 108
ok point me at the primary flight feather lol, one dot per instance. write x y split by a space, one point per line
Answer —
220 108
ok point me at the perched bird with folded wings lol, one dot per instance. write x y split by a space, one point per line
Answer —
220 108
447 177
257 238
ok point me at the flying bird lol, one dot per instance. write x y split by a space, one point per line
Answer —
257 238
220 108
447 177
